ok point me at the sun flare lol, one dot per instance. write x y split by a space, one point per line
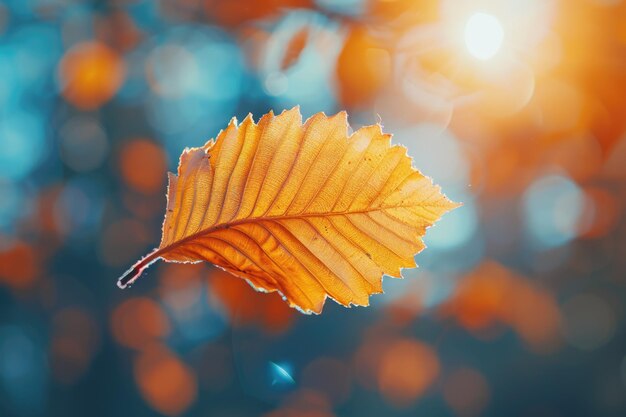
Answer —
484 35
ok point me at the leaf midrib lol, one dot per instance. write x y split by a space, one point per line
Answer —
248 220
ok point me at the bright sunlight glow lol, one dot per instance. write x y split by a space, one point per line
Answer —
483 35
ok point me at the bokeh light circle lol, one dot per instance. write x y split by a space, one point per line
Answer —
553 208
90 74
24 143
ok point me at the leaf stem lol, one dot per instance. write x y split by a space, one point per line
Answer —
136 270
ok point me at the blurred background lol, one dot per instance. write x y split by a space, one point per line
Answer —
517 108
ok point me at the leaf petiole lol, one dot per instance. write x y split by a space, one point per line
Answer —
136 270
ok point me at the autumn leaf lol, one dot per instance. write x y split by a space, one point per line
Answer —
303 209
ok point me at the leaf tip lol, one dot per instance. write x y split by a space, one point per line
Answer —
342 115
450 205
248 119
292 114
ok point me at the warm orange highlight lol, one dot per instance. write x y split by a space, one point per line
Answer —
363 67
303 209
491 294
294 48
138 322
407 369
19 266
233 13
143 165
165 383
90 74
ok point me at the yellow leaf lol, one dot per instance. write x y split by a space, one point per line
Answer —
303 209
